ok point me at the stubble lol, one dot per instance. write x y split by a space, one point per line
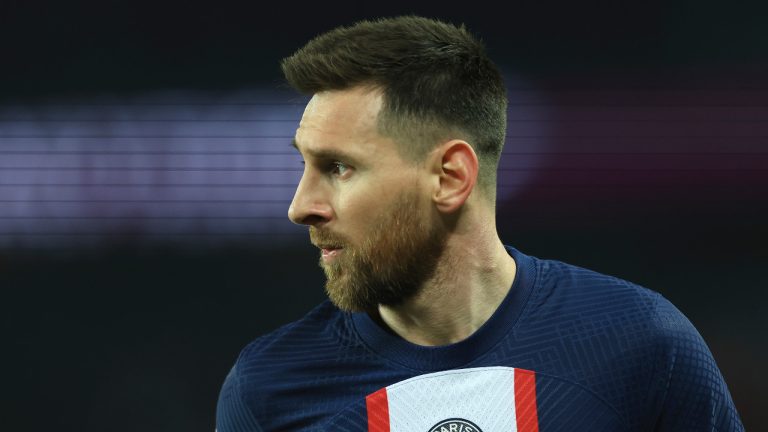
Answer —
399 254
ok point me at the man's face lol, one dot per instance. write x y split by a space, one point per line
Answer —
367 208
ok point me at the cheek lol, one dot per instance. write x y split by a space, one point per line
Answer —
359 205
355 211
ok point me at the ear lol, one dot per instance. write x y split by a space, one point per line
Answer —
456 166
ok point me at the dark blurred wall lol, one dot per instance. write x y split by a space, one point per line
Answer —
145 174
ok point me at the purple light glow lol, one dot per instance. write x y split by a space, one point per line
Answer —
219 168
177 167
180 167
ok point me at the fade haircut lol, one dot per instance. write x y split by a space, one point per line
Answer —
436 80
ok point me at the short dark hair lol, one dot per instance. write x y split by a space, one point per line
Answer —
437 82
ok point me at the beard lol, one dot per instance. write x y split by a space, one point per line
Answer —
401 252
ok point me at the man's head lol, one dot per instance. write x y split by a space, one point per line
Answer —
436 80
397 135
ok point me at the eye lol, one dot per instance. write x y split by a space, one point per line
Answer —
338 168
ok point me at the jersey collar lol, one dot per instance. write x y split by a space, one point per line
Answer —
460 354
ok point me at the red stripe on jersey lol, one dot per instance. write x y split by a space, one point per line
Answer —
525 401
378 411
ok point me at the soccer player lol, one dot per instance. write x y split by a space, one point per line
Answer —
433 324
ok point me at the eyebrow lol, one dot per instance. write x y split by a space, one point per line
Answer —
327 154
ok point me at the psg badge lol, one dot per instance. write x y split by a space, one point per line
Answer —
455 425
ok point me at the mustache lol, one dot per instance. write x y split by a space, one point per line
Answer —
325 238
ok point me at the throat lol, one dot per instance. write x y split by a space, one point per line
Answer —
432 328
451 311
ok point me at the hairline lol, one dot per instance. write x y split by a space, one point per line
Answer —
435 130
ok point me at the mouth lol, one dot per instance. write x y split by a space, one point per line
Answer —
329 252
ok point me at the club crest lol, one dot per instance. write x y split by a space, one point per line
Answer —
455 425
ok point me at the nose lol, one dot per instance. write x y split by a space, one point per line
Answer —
310 205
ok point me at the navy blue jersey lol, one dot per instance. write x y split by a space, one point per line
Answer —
568 349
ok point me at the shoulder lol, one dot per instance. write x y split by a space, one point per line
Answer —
588 293
277 375
610 303
631 346
323 325
688 391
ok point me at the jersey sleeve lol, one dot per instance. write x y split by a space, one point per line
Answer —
691 394
232 413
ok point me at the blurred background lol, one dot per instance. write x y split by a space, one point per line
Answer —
145 176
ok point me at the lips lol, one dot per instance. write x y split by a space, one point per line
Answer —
330 252
330 246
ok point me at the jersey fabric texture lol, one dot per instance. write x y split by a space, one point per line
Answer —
568 349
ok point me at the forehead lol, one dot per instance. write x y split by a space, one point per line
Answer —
341 118
357 107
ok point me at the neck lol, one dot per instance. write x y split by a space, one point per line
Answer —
472 280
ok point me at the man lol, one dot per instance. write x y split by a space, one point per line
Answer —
433 324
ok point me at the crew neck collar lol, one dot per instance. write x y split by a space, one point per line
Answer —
455 355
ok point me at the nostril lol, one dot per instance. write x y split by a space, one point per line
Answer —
312 219
307 216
